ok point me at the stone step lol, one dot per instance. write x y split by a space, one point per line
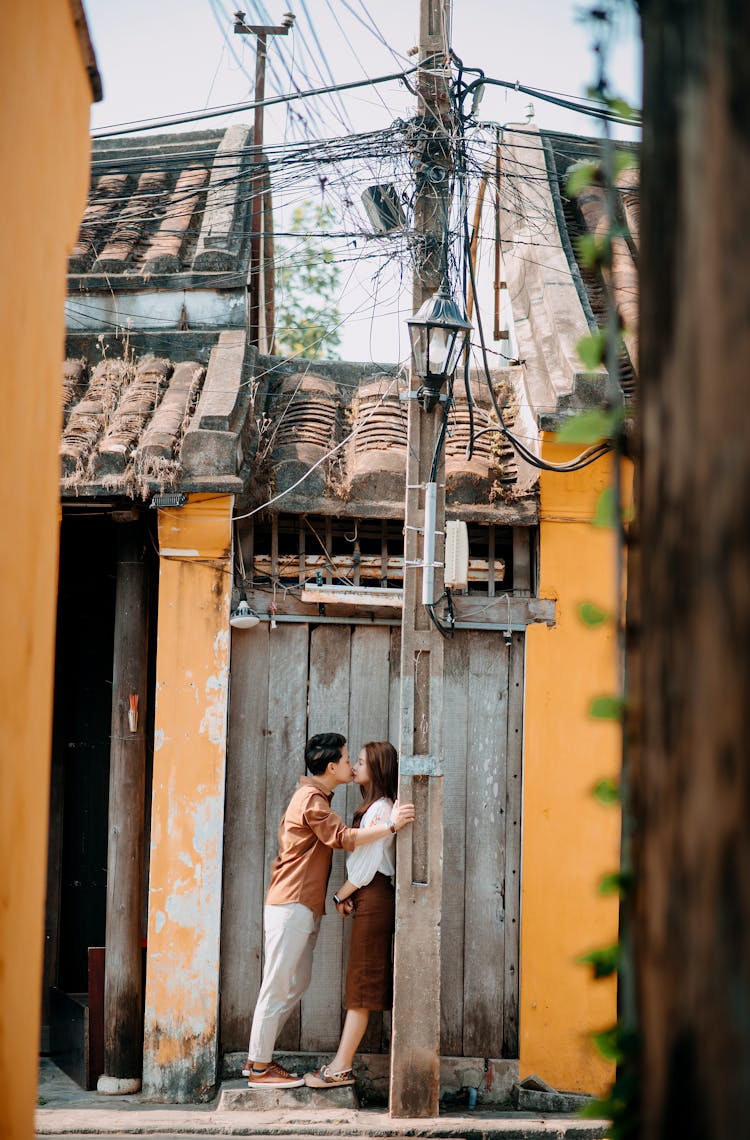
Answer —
237 1096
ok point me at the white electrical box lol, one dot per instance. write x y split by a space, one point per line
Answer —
456 555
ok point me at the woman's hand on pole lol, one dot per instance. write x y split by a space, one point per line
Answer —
402 815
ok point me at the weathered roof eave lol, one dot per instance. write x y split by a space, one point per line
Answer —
156 283
521 511
116 488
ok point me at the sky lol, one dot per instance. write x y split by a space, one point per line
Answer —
165 57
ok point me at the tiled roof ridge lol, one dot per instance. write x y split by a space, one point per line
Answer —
140 423
308 415
158 210
145 144
123 430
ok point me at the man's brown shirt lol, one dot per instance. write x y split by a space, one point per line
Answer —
308 834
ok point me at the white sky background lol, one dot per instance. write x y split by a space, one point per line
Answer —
165 57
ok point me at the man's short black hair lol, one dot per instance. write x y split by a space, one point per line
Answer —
322 750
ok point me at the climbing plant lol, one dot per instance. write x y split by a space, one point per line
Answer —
617 1043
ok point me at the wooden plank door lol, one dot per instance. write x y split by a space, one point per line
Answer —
292 682
483 741
328 711
286 685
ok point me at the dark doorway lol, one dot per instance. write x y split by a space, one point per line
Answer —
79 790
83 710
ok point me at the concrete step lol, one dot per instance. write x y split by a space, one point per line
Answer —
237 1096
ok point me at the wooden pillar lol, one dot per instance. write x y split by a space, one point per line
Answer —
415 1049
123 982
688 627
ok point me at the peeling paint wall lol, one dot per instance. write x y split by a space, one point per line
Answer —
187 821
569 839
44 154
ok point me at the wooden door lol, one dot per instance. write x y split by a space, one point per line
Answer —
300 679
480 927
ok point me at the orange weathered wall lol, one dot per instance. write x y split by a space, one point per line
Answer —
44 156
187 814
569 839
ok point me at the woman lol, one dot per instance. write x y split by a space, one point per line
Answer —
368 895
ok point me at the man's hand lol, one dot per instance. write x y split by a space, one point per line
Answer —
402 815
345 907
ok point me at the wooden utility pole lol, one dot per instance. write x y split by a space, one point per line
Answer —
123 980
261 315
415 1048
688 627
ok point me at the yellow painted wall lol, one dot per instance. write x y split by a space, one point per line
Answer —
187 816
569 839
44 157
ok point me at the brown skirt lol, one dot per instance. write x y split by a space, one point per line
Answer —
369 974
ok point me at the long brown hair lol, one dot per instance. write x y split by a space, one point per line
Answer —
382 764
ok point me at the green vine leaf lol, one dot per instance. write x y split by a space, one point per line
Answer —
591 426
608 1043
604 512
594 249
624 109
583 175
591 349
592 615
616 105
607 708
616 883
624 160
619 1106
596 1110
604 962
607 792
580 176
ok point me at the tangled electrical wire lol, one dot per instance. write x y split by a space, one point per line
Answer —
459 93
336 165
462 266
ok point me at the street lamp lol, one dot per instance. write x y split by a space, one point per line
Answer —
437 332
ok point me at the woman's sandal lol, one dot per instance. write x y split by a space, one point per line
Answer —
323 1078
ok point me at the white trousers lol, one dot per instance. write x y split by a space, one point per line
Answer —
290 936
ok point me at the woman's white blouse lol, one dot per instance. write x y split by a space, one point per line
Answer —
363 863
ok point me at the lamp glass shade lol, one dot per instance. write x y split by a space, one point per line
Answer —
437 332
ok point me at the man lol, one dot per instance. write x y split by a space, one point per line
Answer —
295 903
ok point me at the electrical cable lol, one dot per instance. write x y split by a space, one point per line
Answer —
458 94
463 175
430 607
136 125
442 433
569 104
577 464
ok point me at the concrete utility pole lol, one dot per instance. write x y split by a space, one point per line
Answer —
415 1047
261 315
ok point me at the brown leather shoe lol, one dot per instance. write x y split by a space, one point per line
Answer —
274 1077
